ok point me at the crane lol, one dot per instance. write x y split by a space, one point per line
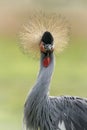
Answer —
44 112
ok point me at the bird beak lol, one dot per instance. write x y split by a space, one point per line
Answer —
46 47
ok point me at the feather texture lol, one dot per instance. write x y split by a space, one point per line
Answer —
53 113
71 111
42 111
38 23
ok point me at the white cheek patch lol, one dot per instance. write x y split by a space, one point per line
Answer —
61 126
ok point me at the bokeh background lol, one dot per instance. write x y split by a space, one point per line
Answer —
18 71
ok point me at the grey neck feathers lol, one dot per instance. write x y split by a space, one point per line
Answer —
38 96
41 86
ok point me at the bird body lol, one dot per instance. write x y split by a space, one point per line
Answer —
41 111
53 113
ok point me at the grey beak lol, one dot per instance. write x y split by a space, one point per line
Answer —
48 47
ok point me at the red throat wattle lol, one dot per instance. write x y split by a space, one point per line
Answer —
46 61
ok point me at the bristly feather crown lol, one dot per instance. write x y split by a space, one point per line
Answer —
38 23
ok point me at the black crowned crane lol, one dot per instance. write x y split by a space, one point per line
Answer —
41 111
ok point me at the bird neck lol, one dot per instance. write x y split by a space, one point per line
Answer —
41 87
39 94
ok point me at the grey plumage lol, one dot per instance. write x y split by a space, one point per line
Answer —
47 113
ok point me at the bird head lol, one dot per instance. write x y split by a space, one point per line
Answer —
41 32
47 47
47 43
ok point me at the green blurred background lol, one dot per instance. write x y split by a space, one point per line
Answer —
18 71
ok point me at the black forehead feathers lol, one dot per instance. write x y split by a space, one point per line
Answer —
47 38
